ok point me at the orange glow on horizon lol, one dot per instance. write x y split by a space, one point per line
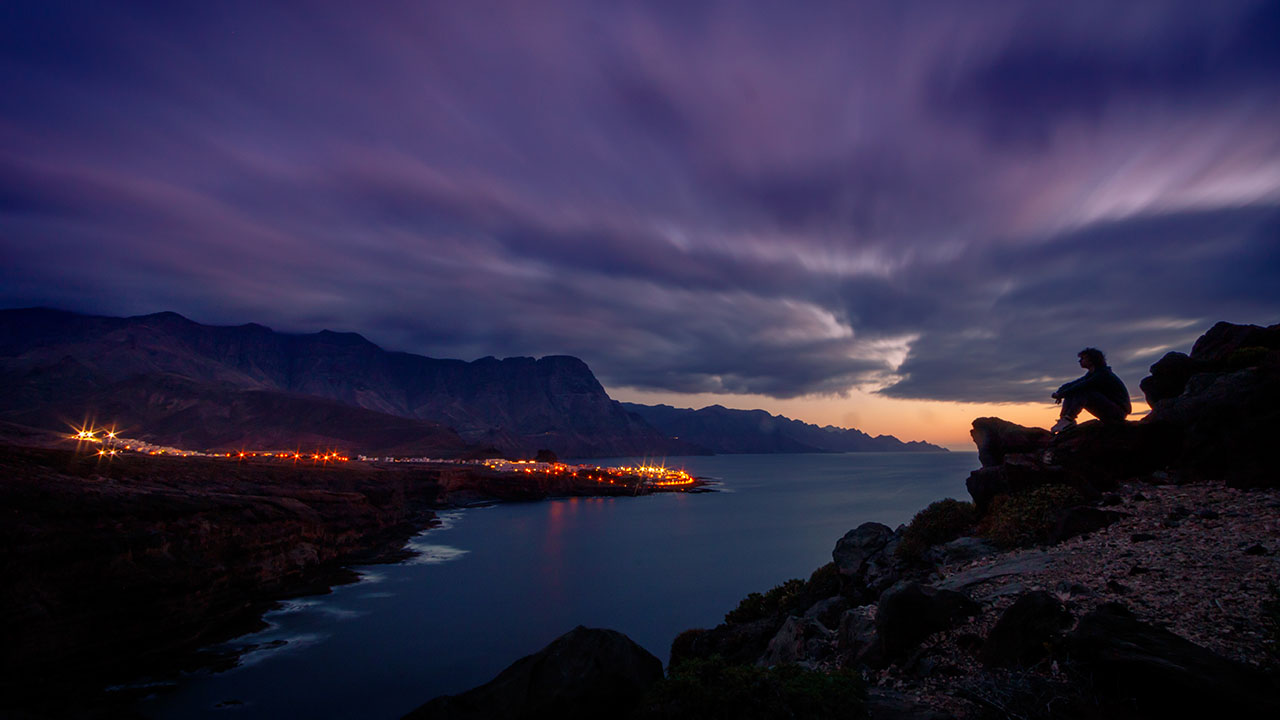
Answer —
944 423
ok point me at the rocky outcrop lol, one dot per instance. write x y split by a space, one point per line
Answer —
800 640
867 561
1148 671
910 612
1025 630
584 674
997 438
1224 402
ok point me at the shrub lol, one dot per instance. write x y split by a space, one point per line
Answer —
1027 518
756 606
713 689
791 597
943 521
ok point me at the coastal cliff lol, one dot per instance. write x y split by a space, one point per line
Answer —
122 568
1105 572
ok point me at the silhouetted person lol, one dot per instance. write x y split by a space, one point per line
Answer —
1099 391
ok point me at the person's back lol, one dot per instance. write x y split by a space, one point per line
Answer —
1100 391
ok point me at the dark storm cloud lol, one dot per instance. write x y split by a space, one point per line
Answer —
1045 77
730 197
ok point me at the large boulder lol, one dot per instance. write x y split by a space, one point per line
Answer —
1228 422
1017 474
1225 339
1081 519
867 560
800 641
997 438
585 673
1024 631
1224 402
910 612
1169 377
1097 455
1148 671
858 546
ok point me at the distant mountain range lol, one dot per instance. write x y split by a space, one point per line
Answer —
172 381
722 430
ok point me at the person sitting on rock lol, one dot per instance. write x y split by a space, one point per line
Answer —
1099 391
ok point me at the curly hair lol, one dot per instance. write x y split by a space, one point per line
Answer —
1096 358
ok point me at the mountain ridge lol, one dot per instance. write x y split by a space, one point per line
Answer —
725 430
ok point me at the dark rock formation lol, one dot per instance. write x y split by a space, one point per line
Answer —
960 550
856 638
1224 402
910 612
1022 634
1082 519
997 438
1018 473
1150 672
722 430
867 561
585 673
800 640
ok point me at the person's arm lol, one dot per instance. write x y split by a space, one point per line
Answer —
1082 383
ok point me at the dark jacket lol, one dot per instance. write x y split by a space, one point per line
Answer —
1103 381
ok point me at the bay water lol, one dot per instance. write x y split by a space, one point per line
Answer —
493 584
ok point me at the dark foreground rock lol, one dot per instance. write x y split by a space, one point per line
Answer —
1148 671
1023 633
585 673
910 612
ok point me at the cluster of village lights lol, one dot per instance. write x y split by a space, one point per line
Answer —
652 475
113 444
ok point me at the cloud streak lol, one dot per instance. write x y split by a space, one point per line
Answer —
930 201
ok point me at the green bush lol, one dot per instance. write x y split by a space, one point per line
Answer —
943 521
1026 518
756 606
791 597
713 689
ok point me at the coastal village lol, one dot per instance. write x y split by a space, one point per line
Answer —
653 476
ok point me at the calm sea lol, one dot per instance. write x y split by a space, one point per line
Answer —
496 583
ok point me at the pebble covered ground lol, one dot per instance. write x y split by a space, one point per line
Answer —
1199 560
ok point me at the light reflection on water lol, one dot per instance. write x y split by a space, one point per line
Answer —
492 584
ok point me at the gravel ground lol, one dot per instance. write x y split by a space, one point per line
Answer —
1199 560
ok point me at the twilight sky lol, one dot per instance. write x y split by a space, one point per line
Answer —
888 215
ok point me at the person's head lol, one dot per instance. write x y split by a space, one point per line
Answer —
1092 359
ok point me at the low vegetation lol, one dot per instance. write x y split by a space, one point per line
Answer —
712 688
791 597
1027 518
940 522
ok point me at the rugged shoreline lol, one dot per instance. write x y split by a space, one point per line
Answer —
125 568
